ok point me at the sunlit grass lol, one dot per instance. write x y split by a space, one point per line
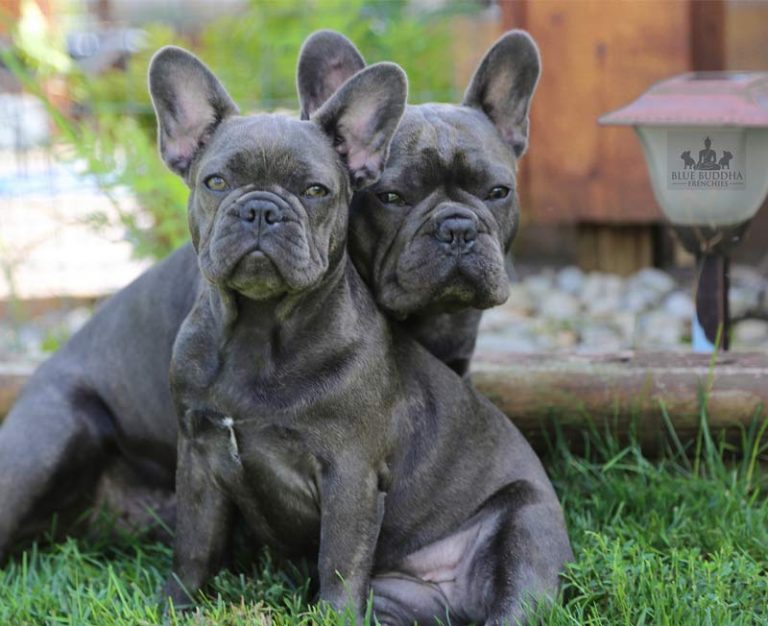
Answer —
678 540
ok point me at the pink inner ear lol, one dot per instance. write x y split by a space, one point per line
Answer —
357 159
354 147
180 149
192 113
193 117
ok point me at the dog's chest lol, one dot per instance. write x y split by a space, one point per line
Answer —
269 472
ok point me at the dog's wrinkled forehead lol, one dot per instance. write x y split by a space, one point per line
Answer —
447 144
273 149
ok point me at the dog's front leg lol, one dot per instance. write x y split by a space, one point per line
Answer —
203 525
352 510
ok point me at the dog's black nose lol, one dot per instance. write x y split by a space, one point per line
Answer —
457 231
257 209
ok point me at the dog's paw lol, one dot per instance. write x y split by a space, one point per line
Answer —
175 598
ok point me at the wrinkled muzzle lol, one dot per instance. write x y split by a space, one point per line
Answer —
258 242
452 259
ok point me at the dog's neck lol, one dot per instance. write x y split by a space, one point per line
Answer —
277 328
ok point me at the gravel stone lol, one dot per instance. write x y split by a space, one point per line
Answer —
564 310
520 299
680 304
750 333
558 305
570 280
655 279
639 298
660 330
743 299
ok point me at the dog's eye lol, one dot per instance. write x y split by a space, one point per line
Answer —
498 193
390 197
316 191
216 183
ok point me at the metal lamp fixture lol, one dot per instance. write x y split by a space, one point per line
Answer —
705 139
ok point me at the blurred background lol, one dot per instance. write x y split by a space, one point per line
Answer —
86 204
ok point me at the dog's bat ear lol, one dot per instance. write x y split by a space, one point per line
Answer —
503 86
361 118
326 61
189 103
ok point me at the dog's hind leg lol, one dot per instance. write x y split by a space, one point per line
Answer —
508 556
519 566
53 446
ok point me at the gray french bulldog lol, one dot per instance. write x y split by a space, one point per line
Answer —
430 237
96 421
414 488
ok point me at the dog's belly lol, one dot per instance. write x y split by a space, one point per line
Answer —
270 476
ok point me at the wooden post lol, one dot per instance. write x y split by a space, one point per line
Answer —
619 249
618 392
628 391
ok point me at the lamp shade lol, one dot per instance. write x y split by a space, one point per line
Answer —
705 138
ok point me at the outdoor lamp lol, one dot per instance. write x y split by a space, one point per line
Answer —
705 139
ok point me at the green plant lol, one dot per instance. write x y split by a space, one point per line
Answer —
254 53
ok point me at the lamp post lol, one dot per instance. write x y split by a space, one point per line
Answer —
705 139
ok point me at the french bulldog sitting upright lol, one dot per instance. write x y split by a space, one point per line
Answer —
430 237
98 417
335 436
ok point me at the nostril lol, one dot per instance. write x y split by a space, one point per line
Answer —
444 233
273 216
250 214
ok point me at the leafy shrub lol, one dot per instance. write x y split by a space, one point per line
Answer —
254 53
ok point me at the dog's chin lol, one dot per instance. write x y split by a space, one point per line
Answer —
461 294
261 275
257 277
457 290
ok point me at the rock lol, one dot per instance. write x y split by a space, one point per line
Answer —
557 305
498 319
743 299
602 337
597 312
625 324
519 301
680 304
599 285
570 280
604 304
511 340
660 330
539 285
654 279
745 276
639 298
749 333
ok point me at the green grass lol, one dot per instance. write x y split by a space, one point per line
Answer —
676 540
